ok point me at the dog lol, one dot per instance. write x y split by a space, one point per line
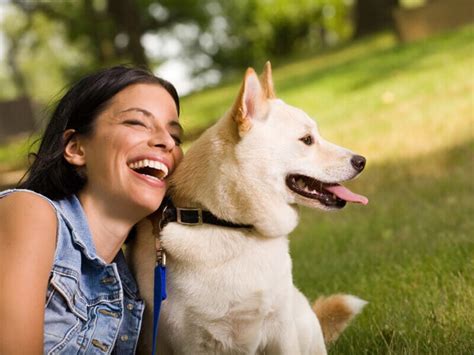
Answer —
230 290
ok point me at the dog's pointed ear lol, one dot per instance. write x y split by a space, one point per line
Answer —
250 103
267 81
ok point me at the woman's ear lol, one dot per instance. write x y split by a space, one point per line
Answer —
74 152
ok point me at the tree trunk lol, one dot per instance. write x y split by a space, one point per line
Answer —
373 15
126 15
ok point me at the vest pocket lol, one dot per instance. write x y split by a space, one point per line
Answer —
65 315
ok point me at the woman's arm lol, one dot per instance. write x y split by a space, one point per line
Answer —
28 227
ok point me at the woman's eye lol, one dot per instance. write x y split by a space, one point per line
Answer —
308 139
135 123
177 140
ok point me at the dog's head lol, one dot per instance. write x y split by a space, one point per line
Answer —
262 159
310 167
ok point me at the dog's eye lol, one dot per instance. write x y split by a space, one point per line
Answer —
308 139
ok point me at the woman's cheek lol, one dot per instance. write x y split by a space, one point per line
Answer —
178 155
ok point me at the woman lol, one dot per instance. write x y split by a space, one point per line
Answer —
101 167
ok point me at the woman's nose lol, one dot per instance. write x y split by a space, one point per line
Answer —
163 140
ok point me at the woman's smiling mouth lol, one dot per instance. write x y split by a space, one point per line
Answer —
153 169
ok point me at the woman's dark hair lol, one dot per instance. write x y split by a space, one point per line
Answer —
50 174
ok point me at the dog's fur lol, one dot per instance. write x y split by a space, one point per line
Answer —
230 291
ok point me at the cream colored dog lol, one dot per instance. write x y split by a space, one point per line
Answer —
230 291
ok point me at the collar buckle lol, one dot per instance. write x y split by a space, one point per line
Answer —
189 216
160 257
163 221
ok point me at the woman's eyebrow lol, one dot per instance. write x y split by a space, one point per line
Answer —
173 123
145 112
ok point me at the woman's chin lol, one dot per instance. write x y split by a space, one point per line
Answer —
148 202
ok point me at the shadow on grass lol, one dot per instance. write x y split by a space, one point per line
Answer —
409 253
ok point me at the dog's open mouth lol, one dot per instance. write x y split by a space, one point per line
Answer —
329 194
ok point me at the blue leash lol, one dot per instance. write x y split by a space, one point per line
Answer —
159 293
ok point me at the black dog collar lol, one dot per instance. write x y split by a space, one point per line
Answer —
193 217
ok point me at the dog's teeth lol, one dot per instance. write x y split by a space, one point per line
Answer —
300 183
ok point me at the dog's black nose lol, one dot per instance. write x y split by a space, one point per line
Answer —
358 162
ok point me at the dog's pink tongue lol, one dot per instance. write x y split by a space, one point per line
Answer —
345 194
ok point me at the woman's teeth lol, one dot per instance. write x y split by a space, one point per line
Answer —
152 168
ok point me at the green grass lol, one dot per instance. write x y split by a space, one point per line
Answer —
409 109
410 253
14 154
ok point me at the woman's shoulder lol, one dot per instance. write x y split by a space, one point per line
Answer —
27 239
24 211
26 200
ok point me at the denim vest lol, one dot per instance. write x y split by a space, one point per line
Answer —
91 307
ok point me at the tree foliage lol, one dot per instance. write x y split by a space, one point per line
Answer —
112 30
59 41
274 28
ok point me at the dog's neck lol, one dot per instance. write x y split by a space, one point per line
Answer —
212 178
201 177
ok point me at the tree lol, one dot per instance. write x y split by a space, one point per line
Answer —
259 30
225 34
373 15
114 28
100 33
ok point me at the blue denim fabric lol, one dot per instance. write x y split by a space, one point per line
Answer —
91 307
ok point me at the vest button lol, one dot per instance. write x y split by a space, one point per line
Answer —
100 345
109 313
130 307
124 338
108 280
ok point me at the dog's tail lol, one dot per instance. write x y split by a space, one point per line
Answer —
335 312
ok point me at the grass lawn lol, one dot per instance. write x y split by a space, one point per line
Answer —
409 108
14 154
410 253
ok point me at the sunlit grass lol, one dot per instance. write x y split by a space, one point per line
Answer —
368 95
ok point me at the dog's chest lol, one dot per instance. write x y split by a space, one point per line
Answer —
224 287
224 267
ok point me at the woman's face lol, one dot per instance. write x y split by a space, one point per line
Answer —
133 148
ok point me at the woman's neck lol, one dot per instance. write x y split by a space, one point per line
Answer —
109 229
